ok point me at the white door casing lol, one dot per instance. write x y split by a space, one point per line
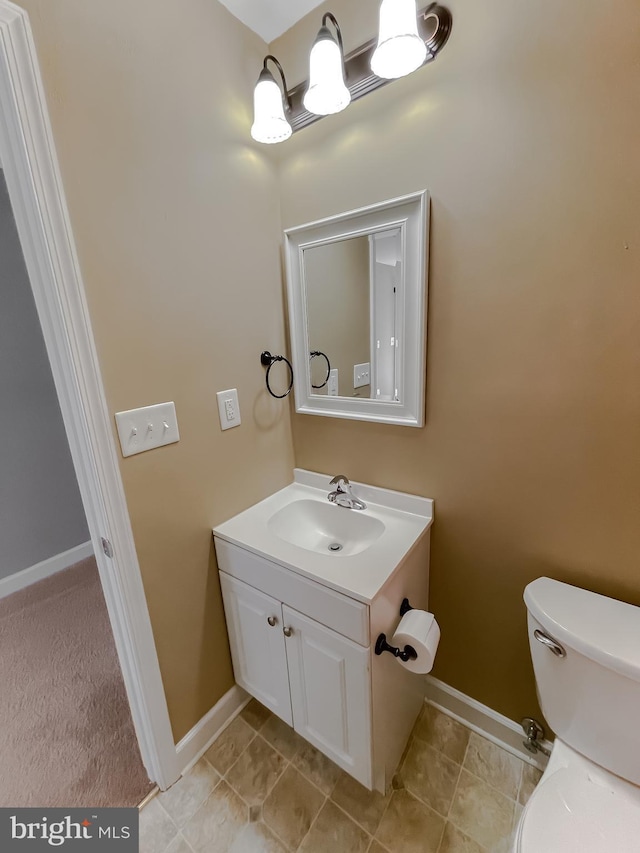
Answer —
33 179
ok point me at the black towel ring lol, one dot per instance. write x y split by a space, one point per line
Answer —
314 354
268 361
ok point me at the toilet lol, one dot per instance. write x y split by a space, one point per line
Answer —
586 658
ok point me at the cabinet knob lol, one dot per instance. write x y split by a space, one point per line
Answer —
287 631
272 620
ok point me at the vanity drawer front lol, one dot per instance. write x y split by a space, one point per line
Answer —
339 612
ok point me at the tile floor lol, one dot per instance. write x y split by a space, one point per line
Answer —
262 789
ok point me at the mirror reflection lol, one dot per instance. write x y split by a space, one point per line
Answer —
353 289
357 297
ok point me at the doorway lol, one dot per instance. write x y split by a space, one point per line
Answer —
66 733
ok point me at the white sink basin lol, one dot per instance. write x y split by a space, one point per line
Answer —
325 527
296 526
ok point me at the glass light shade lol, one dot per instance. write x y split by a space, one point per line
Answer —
327 92
400 49
269 122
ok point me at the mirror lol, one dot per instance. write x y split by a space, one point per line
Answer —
357 291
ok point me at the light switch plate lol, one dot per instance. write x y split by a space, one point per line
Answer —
361 375
228 408
147 428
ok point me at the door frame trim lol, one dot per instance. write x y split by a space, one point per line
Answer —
27 154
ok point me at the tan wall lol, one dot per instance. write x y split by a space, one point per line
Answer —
526 132
337 286
175 214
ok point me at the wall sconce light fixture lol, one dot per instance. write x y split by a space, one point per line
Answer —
269 121
400 49
406 41
327 92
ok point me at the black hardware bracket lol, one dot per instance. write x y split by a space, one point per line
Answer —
405 607
408 653
315 354
268 360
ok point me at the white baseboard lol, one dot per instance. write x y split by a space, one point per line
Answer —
471 713
42 570
482 719
197 741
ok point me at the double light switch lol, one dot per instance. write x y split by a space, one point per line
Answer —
147 428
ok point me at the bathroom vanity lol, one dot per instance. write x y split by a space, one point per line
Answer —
307 587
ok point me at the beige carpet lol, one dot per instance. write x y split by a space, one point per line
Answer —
66 734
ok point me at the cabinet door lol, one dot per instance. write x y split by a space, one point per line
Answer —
330 693
257 646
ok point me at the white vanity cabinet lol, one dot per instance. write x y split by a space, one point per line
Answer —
313 677
305 651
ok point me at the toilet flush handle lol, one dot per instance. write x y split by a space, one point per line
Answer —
550 643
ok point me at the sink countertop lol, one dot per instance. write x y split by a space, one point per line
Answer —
360 576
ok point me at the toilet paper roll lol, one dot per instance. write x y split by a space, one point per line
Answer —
420 630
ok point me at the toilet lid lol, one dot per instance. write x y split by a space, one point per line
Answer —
572 813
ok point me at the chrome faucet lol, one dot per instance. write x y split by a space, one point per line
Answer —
343 496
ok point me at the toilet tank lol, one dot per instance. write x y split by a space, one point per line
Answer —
591 696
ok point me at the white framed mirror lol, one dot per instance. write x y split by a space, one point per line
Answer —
357 295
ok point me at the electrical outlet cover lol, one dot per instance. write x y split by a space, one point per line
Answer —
228 408
332 383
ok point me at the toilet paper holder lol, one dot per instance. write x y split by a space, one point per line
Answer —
408 653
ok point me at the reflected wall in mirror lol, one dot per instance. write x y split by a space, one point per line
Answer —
357 302
363 276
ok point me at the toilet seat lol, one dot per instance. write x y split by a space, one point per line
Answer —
577 811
